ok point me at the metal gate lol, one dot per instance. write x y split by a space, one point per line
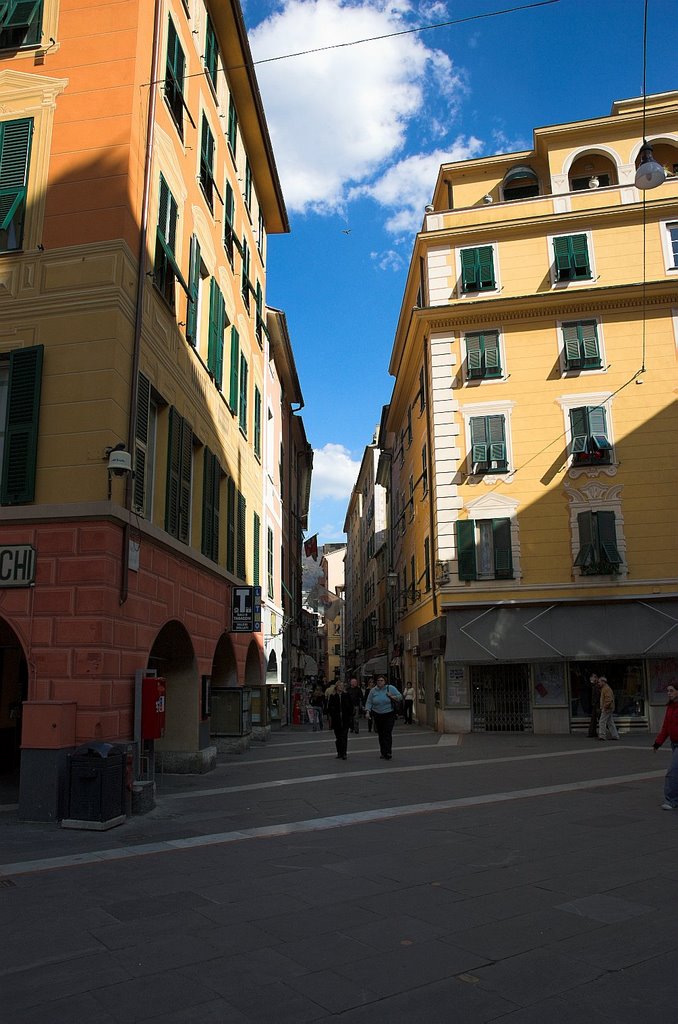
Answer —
501 698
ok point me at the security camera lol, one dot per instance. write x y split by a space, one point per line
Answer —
488 199
119 460
429 208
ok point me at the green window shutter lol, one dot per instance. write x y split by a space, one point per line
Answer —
230 525
256 550
241 567
173 473
248 184
607 539
21 425
213 326
207 498
485 261
229 214
466 549
479 440
257 422
598 439
579 428
469 270
242 420
141 442
245 274
503 556
15 146
235 366
586 556
269 563
259 305
20 23
175 69
497 440
579 248
490 342
193 290
221 327
211 51
589 343
427 564
563 260
571 344
232 133
207 160
185 482
474 355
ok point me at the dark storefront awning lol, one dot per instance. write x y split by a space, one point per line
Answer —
569 631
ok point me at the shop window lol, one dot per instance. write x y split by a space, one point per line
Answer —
626 679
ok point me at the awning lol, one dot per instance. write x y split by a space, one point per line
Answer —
374 667
310 666
520 173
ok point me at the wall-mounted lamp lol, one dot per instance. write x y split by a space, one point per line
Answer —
392 579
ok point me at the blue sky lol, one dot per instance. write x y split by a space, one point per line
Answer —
359 133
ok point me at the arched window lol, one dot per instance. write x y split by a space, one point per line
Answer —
520 183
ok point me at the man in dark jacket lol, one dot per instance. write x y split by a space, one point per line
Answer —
356 695
340 712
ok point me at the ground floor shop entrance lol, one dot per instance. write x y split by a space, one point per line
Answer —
629 685
501 698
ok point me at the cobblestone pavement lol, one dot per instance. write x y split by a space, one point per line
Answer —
507 878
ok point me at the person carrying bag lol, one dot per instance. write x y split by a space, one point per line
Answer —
382 701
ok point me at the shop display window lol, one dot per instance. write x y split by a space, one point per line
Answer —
626 678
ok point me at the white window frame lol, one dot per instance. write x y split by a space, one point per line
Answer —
495 263
473 381
603 398
504 409
584 282
665 228
488 507
603 368
588 498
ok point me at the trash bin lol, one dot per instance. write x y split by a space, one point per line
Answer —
96 790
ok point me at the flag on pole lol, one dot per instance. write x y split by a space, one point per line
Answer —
311 547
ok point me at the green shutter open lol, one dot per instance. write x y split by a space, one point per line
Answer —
141 442
485 260
230 525
607 539
173 473
501 542
479 439
474 355
571 346
256 550
211 52
589 343
232 133
580 255
207 492
586 555
490 342
193 291
241 566
242 408
235 367
466 549
185 482
21 425
15 145
469 277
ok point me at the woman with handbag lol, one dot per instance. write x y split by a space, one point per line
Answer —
382 702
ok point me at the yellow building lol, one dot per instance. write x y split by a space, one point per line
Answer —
531 441
137 191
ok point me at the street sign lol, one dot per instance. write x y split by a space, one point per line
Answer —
17 565
246 610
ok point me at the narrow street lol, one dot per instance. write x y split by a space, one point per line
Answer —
507 878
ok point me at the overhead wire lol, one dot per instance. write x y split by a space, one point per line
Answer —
370 39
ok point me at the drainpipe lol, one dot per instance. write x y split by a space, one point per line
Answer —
141 281
429 433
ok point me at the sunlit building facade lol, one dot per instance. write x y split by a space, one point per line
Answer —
530 443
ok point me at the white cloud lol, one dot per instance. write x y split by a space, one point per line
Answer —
334 472
338 117
406 187
389 259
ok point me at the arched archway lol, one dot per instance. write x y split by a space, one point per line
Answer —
224 665
14 690
592 167
173 657
253 666
272 668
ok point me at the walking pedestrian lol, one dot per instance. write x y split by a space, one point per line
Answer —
368 716
606 720
340 713
595 706
318 702
408 696
355 693
381 706
669 730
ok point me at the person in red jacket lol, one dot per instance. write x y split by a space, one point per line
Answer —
669 730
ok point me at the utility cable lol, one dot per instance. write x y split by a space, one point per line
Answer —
370 39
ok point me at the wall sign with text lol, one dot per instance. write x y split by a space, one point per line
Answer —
246 610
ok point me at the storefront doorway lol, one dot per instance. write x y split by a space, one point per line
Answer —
13 691
627 679
501 698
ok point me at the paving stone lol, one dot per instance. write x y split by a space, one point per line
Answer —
520 934
82 1008
444 1002
407 967
604 908
390 932
334 992
535 976
142 999
155 906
